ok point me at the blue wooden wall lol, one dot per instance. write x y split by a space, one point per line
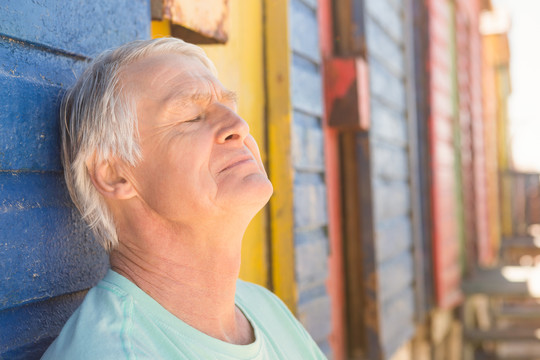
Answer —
390 180
310 218
47 257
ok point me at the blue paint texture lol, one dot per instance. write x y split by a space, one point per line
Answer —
310 218
48 258
77 27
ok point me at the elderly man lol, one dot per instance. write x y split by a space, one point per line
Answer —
168 177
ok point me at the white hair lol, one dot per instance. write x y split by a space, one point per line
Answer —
98 120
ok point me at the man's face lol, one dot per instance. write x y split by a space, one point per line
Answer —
199 160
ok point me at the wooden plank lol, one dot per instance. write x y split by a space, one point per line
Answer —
46 250
364 333
156 11
314 315
418 170
387 16
384 48
279 115
31 328
388 125
307 152
520 242
198 22
75 27
29 134
305 22
390 162
446 270
21 59
479 336
386 86
398 321
160 28
396 276
505 282
518 312
307 92
336 264
311 245
391 199
37 76
394 236
309 197
349 36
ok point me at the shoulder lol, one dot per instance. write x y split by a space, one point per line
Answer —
99 328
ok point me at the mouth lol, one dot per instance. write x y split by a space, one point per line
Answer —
237 161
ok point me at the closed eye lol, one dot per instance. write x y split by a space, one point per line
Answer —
196 119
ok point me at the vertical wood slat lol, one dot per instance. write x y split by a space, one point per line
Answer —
336 276
349 28
279 117
363 305
422 82
445 248
417 168
465 135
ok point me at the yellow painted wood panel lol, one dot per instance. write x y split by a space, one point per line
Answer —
160 28
278 79
240 66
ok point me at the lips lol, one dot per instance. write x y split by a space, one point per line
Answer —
237 161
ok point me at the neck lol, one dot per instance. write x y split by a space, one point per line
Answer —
190 273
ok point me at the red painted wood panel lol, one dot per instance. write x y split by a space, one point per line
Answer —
464 83
471 118
336 276
443 191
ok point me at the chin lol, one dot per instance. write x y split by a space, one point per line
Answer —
255 192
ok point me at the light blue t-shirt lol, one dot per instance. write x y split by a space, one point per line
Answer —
117 320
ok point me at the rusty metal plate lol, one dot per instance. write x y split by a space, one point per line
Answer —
199 22
347 93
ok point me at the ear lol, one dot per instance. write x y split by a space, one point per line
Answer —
110 180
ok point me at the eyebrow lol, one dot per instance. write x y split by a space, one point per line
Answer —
183 98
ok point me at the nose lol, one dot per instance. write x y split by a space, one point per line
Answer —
232 127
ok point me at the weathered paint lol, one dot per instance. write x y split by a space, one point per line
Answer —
347 93
443 189
32 328
336 274
77 27
391 174
204 21
415 57
160 28
309 188
469 61
48 258
279 117
462 153
490 106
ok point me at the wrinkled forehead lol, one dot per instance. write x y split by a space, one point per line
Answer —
171 82
159 76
